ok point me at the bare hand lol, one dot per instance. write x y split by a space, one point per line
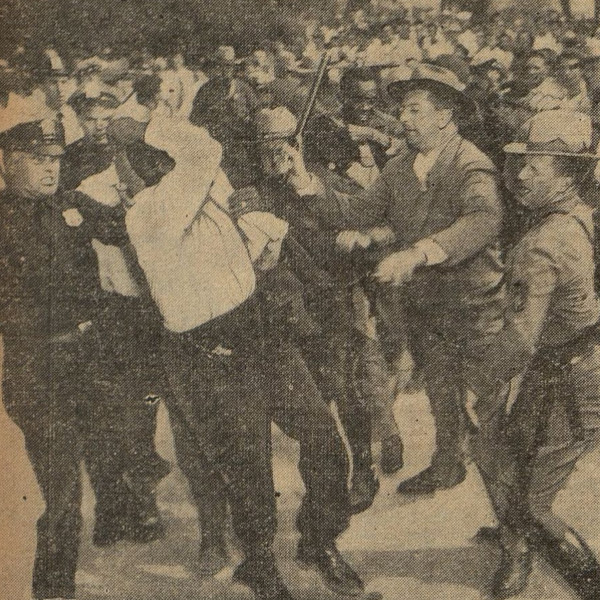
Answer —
382 235
360 134
398 268
349 240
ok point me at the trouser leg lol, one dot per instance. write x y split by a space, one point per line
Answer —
43 395
218 403
442 370
377 386
298 408
206 484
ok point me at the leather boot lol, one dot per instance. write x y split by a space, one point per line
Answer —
515 566
262 576
430 480
573 559
337 574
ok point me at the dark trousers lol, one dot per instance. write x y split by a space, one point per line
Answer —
441 341
47 393
129 372
330 357
297 407
221 424
527 457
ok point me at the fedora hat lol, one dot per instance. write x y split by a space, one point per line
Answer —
555 133
428 76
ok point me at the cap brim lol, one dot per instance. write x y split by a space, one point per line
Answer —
520 148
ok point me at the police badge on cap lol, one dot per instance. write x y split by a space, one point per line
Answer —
46 137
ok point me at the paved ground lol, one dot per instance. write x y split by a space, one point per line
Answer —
407 550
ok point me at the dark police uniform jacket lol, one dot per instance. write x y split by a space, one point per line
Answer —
49 280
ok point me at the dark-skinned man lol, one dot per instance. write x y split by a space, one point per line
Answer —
440 198
49 304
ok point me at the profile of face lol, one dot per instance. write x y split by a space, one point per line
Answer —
537 70
276 158
360 99
94 122
421 120
30 175
539 181
570 71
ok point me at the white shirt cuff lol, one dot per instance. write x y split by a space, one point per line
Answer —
434 253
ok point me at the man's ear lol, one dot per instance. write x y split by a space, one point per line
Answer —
445 116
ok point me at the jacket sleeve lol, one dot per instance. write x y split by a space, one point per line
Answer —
173 204
480 217
369 207
533 281
104 223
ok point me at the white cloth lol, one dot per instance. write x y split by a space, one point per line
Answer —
115 276
424 163
195 261
434 253
70 122
548 41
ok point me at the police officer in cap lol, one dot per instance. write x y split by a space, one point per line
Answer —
527 451
49 290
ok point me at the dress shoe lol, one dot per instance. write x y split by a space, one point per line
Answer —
213 556
513 574
337 574
392 451
430 480
263 578
365 486
108 530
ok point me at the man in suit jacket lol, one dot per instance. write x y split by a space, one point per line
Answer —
441 200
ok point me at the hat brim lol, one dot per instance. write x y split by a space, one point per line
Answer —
398 89
520 148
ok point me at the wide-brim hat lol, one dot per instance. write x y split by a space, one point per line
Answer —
275 124
439 79
555 133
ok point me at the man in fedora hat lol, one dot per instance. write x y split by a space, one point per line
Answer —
440 199
50 302
538 404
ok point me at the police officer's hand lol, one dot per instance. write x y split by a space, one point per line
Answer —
298 177
398 268
347 241
245 200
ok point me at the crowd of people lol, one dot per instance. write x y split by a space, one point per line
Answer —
250 242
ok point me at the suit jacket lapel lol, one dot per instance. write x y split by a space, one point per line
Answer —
438 177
